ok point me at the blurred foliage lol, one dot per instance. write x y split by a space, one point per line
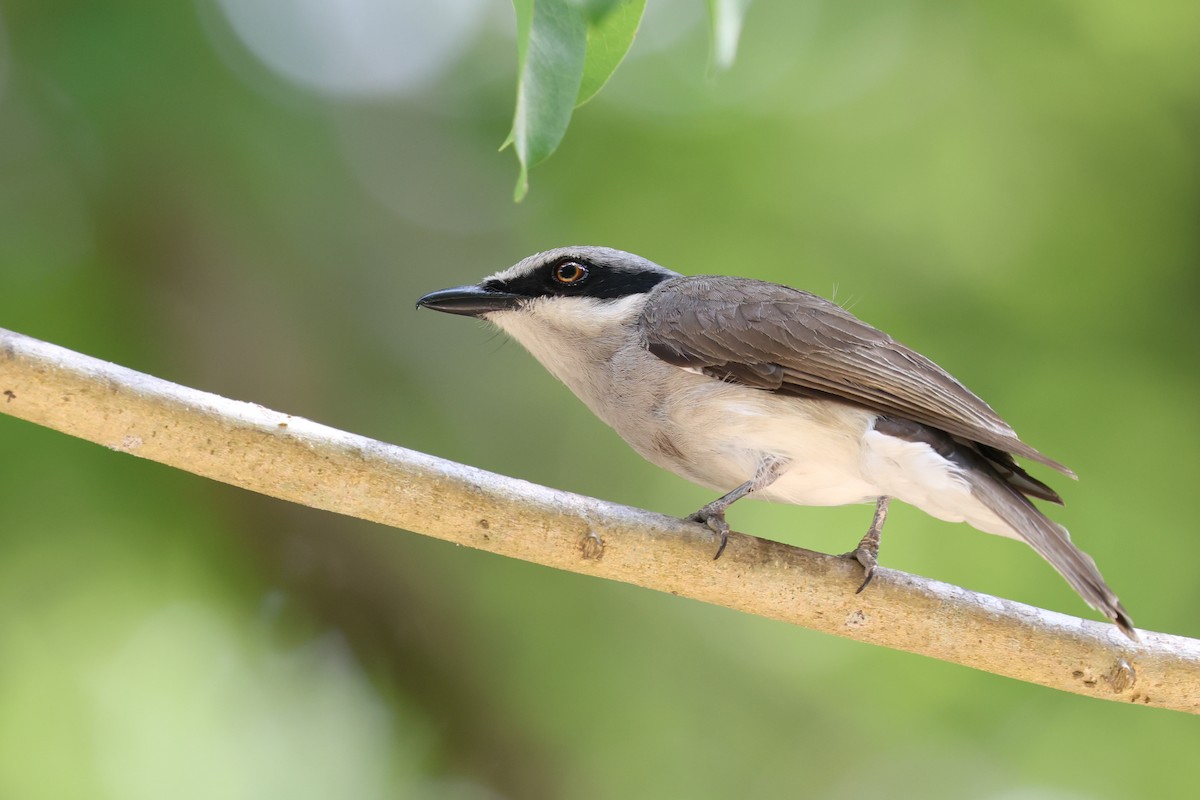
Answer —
248 197
726 17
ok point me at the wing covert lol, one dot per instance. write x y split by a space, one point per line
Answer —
780 339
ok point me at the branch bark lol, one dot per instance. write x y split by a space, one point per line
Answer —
294 459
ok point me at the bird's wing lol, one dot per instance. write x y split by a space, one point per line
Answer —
779 339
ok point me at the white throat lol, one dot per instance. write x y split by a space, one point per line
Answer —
574 338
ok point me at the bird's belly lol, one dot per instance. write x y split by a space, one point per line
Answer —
718 436
817 484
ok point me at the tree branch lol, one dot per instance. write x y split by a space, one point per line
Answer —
295 459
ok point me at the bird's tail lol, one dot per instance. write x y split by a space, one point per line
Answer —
1051 540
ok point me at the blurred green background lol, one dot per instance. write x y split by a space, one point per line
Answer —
247 198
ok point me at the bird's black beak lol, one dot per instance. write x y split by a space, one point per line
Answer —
470 301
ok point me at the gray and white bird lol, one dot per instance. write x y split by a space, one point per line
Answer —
754 388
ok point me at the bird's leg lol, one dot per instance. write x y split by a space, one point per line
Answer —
867 552
713 514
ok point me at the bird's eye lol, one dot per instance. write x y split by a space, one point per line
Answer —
569 272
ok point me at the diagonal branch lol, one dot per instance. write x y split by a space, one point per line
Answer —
294 459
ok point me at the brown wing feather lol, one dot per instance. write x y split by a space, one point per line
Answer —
780 339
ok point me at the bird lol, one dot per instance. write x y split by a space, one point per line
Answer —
753 388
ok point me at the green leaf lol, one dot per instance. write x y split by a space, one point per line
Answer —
551 47
609 38
725 18
566 51
596 10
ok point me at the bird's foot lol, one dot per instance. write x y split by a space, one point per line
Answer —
714 518
867 555
867 552
713 514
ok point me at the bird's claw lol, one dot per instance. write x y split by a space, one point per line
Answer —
866 557
715 521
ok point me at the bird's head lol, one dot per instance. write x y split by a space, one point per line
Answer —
569 290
